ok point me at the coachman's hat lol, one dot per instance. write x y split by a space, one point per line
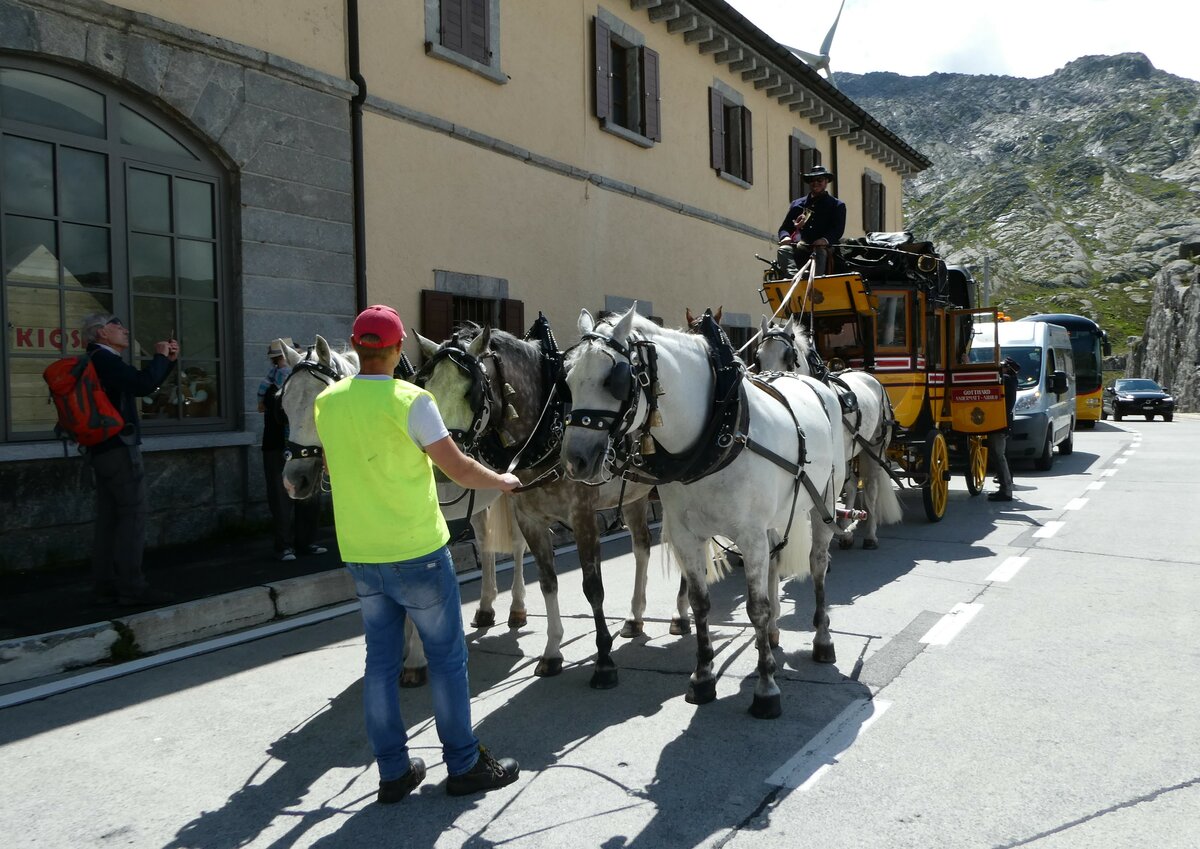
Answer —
819 171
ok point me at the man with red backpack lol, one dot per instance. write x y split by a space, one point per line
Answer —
116 464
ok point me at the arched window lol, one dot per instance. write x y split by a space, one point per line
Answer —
107 206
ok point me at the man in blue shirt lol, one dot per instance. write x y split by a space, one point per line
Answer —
813 225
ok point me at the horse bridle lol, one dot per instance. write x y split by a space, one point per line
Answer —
791 355
482 400
634 372
327 375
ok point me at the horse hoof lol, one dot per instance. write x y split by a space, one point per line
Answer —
773 639
679 627
870 543
845 543
415 677
701 693
632 629
484 619
824 653
548 667
517 619
766 707
604 677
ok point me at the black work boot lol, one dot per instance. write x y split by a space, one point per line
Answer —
393 791
487 774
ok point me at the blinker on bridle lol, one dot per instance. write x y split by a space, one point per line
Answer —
481 399
635 371
327 375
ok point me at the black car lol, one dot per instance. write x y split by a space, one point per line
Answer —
1132 396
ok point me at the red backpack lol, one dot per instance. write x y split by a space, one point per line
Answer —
84 412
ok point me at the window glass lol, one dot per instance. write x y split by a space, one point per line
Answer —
194 208
28 176
149 200
891 322
83 185
33 315
198 329
196 270
27 389
77 304
51 102
30 251
85 257
150 264
1030 362
198 389
153 321
136 131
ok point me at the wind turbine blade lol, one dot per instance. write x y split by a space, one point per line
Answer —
811 58
828 42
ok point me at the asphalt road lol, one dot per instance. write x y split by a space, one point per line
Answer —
1016 675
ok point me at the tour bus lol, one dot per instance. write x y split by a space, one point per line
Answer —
1090 345
1044 413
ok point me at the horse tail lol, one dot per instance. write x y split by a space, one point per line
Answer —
717 558
667 548
881 495
794 558
499 526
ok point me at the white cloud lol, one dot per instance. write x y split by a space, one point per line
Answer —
1025 38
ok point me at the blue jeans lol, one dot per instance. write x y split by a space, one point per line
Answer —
426 589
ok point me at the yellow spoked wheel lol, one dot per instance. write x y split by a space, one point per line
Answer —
977 457
936 491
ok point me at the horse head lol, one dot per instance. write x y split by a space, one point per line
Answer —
311 373
783 347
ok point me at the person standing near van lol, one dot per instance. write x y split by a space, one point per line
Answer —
998 441
380 436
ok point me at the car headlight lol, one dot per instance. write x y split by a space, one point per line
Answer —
1124 397
1168 400
1028 400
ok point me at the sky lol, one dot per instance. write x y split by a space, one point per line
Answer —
1020 38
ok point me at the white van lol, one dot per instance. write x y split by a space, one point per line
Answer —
1044 415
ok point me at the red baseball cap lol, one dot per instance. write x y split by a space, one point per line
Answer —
381 321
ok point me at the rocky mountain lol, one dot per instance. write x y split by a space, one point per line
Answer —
1080 187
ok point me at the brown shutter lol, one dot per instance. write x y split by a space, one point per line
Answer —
651 106
452 24
602 44
716 129
882 219
437 315
795 167
867 221
475 41
512 316
747 146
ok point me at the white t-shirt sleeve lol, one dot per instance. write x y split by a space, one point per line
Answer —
425 423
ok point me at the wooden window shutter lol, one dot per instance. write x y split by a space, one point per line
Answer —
795 167
747 146
867 219
882 218
452 24
716 129
651 105
475 29
437 315
512 316
602 44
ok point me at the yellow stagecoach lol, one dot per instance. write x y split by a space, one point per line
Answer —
898 312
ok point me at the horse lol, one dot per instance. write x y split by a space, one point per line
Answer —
866 435
311 373
650 392
493 391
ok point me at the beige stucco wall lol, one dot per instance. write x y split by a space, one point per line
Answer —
310 32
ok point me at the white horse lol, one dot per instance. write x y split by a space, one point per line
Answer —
618 374
866 435
311 373
490 385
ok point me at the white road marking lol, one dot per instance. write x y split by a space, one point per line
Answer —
1096 485
1076 504
1006 570
949 626
1120 460
1108 473
1048 530
806 767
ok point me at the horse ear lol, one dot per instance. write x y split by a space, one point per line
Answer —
428 348
290 355
323 350
790 326
718 313
764 326
691 319
480 343
586 322
621 331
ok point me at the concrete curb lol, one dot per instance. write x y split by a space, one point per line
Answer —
28 658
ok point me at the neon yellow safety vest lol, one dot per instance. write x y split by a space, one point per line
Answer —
385 500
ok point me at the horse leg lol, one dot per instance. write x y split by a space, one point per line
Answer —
773 591
485 615
845 532
818 565
416 668
517 614
756 554
681 623
639 532
587 540
691 553
537 534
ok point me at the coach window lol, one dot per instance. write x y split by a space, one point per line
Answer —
626 81
466 33
106 206
891 321
731 149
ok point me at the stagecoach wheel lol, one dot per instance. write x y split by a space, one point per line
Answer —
936 490
976 464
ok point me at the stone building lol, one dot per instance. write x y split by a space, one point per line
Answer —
236 170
